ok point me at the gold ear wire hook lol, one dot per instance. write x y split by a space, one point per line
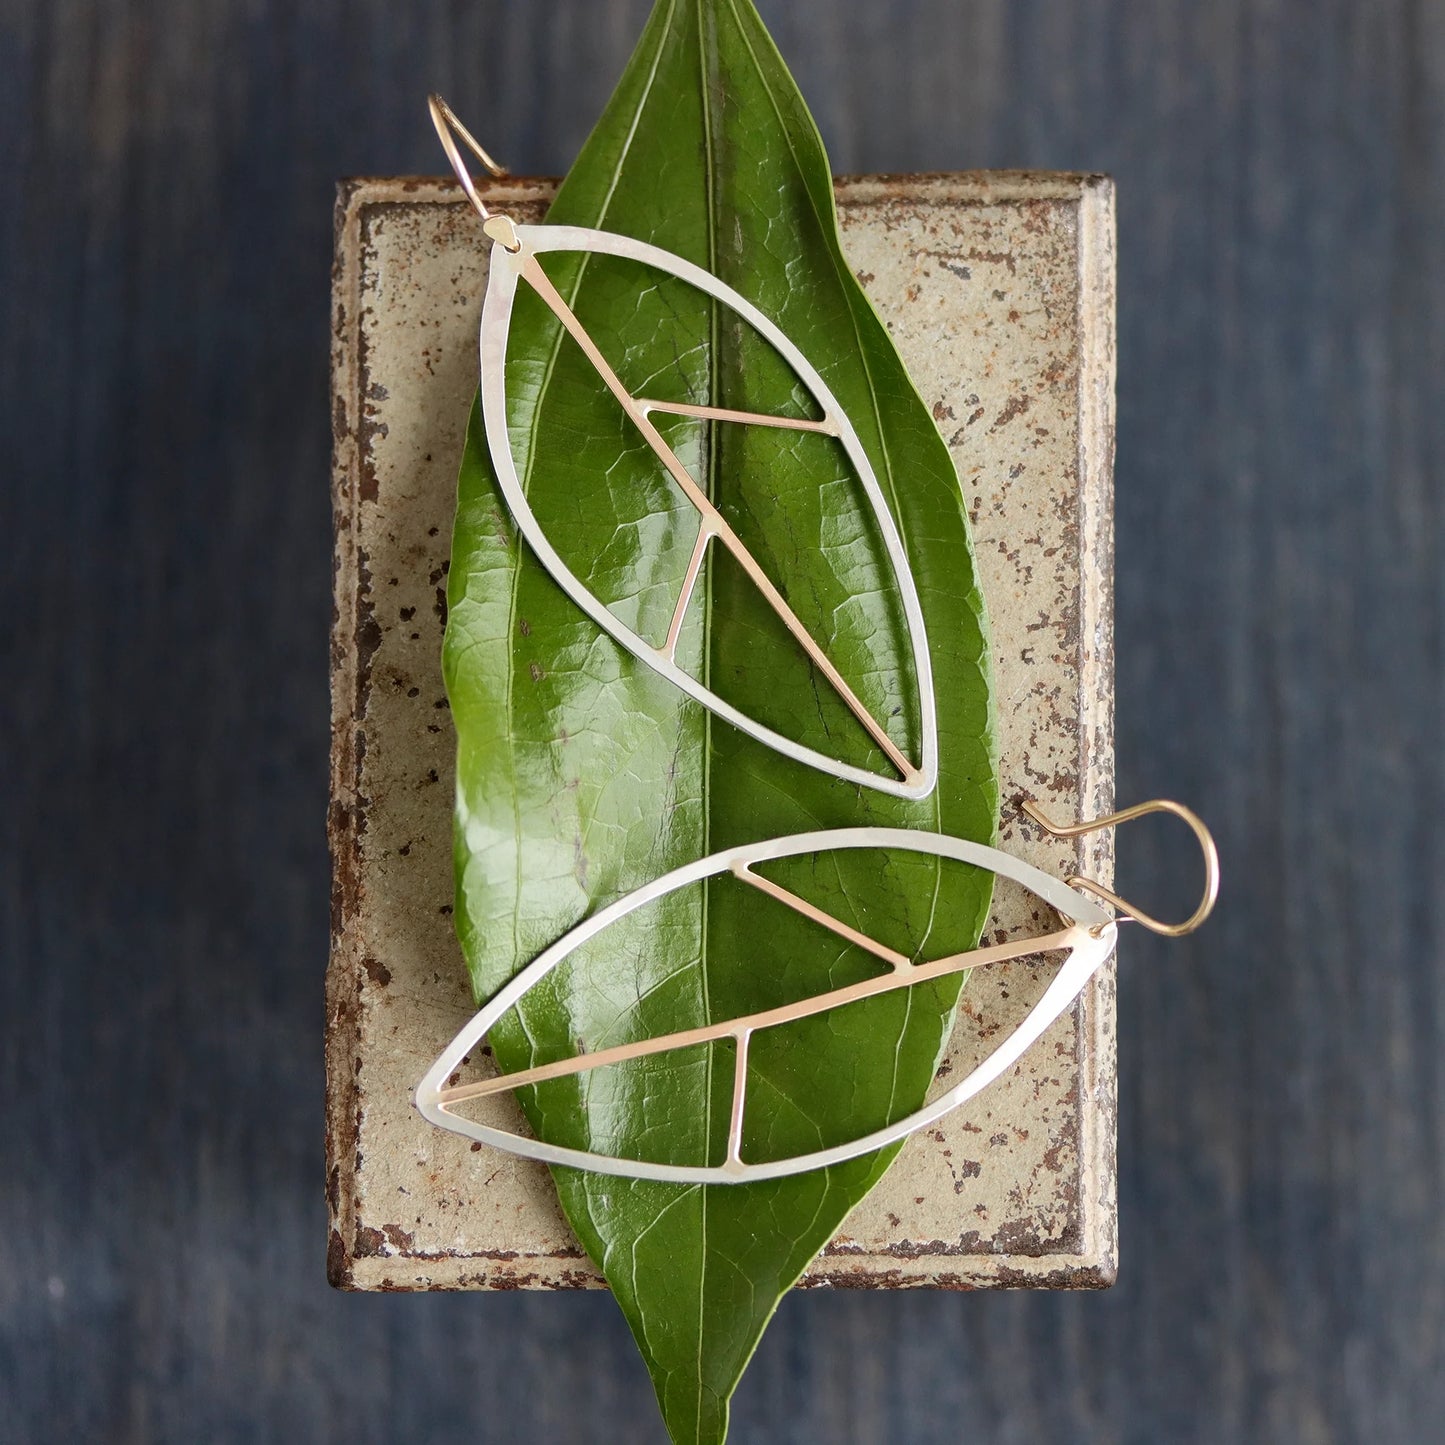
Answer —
1157 805
448 129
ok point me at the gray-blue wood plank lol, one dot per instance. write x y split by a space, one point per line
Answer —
165 210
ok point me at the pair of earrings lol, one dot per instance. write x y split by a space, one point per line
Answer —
1089 928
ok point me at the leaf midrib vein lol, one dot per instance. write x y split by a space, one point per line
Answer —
532 442
710 432
934 801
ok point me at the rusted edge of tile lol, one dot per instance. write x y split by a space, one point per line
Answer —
979 187
1098 1124
344 820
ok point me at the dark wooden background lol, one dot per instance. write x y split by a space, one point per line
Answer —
166 173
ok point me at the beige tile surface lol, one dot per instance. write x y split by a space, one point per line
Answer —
998 289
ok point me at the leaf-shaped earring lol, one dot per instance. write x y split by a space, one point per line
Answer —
1087 940
514 256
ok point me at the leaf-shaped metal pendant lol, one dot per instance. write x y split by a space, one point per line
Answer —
514 259
1087 938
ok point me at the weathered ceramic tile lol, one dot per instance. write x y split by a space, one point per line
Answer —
998 289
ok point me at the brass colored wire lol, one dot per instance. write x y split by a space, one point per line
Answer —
448 129
1125 815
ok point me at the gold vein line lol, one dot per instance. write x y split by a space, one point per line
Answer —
768 1018
752 418
740 1086
530 268
689 584
889 956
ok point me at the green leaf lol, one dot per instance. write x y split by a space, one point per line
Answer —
582 774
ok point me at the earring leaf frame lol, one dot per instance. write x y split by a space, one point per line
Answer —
1087 938
514 259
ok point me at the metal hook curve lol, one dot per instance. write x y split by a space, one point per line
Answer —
1125 815
448 128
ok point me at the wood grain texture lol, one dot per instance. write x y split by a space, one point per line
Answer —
165 207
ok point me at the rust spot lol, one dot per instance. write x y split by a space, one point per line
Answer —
1015 406
369 1242
951 263
398 1238
340 827
369 431
994 258
909 1249
338 1266
1100 1276
376 971
368 633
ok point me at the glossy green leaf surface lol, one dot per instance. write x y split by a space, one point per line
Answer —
583 774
